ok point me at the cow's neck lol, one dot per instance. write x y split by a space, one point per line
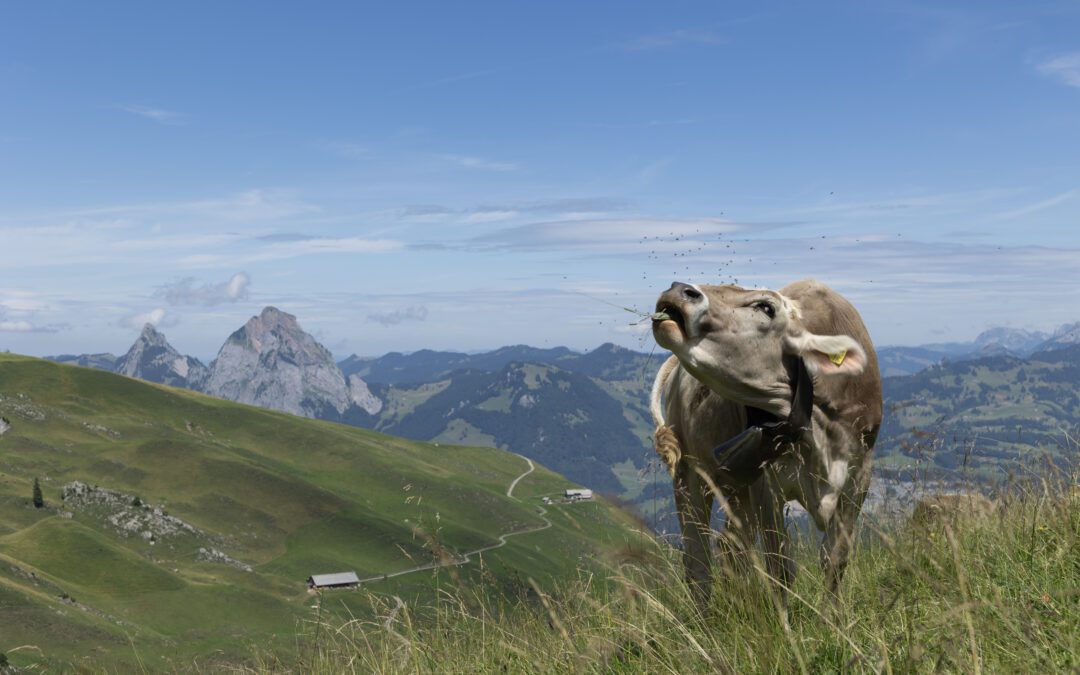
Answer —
766 436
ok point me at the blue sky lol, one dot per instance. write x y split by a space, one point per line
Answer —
469 175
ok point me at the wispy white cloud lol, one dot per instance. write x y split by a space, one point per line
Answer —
17 300
1064 68
614 235
488 216
575 205
392 318
425 213
16 326
278 249
567 207
1038 206
669 39
159 115
188 291
253 205
154 317
19 324
257 204
471 162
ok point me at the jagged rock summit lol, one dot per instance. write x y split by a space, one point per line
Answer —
1065 336
152 358
272 362
1008 341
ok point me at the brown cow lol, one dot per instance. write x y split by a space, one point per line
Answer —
772 396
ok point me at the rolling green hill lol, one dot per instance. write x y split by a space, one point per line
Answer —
584 415
561 418
182 494
983 418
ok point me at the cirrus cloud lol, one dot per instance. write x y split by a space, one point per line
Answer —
1064 68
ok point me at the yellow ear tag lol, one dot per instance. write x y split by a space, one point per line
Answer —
838 357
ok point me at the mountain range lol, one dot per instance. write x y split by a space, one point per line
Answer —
985 418
579 414
585 414
998 341
270 362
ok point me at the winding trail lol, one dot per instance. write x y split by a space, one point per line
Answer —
532 467
467 556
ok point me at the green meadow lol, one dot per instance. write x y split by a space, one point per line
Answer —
287 496
994 593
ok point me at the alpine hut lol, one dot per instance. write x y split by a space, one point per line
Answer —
339 580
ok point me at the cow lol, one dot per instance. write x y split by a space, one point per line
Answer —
769 396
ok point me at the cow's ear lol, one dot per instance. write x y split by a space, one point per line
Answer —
829 354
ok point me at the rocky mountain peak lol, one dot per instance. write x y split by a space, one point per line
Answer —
1065 336
1005 339
152 336
272 317
272 362
152 358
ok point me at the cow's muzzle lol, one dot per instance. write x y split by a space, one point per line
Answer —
682 304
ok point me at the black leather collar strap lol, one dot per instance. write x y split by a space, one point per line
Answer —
741 460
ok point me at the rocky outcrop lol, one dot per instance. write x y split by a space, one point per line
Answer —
127 514
20 405
152 358
271 362
361 395
213 555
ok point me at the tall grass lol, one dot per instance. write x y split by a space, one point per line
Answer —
998 593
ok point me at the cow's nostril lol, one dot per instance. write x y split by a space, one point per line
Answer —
691 293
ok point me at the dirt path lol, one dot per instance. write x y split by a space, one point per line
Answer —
467 556
532 467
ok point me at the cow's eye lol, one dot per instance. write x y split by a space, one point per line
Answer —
765 307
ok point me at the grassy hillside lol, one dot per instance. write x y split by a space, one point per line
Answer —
994 593
983 418
584 415
563 419
195 490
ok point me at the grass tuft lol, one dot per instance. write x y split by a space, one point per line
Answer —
993 592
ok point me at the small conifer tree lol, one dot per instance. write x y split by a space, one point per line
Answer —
39 499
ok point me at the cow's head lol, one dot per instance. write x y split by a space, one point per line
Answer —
740 342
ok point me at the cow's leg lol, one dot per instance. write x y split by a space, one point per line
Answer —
693 501
840 532
740 531
769 504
